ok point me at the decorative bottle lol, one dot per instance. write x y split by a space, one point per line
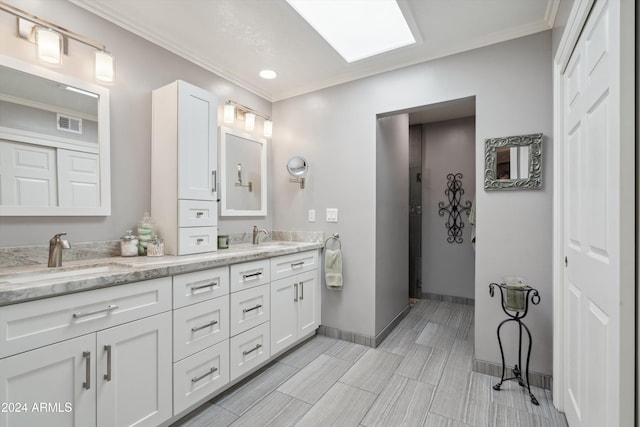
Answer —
145 233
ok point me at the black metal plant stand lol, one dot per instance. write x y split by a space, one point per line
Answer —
515 303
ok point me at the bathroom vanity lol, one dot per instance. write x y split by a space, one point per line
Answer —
146 340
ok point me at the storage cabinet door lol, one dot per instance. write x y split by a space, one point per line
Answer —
197 143
134 373
56 380
308 309
284 306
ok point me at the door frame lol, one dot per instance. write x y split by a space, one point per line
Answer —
577 19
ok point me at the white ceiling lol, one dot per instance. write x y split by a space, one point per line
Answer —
237 38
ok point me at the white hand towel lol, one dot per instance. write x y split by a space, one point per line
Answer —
333 268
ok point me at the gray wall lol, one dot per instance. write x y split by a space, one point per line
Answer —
335 129
392 218
448 147
564 9
140 68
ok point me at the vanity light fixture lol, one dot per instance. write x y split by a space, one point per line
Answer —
233 110
52 41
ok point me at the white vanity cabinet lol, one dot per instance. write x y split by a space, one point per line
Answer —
295 299
184 168
106 354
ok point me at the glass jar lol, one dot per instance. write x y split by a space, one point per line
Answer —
129 244
155 247
145 233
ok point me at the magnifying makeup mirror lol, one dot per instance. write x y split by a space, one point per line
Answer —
297 167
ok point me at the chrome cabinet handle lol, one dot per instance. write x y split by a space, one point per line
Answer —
244 353
246 310
89 313
87 356
295 298
198 241
297 264
199 214
214 187
197 328
208 285
252 276
301 291
206 374
107 376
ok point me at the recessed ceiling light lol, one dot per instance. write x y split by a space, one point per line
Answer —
357 29
268 74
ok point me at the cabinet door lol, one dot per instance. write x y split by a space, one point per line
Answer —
308 309
283 314
197 143
50 386
134 373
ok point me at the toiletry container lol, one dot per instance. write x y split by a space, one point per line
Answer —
129 244
145 233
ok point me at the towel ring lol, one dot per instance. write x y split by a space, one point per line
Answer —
335 237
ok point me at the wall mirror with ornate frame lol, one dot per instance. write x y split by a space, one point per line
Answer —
54 143
513 163
243 174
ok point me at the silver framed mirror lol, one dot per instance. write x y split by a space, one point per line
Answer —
297 167
513 162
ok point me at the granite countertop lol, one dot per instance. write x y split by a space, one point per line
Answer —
20 284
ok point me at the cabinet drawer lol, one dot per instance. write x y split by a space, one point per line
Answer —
197 213
198 326
199 286
249 274
200 375
249 308
195 240
248 350
36 323
288 265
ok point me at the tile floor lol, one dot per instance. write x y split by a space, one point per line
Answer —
420 376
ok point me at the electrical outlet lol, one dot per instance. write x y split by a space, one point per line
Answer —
332 215
312 215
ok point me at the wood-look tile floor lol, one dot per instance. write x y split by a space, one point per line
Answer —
420 376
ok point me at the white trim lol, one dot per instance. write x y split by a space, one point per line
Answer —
577 18
36 138
47 107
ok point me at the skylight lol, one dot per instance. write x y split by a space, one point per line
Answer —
357 29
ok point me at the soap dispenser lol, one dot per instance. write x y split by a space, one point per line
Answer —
145 233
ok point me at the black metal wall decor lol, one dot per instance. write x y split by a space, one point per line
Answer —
515 303
455 208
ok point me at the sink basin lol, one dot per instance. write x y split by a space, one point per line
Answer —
61 272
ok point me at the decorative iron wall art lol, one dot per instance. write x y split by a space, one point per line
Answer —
455 208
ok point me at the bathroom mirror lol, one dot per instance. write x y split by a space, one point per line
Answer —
297 167
54 143
243 174
513 163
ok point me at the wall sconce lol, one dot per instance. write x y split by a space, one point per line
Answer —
233 110
52 41
239 183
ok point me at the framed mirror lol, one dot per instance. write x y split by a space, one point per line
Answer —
513 163
243 174
54 143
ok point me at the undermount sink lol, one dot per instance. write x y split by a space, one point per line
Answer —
61 272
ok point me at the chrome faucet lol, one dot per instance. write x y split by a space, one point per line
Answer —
256 234
56 245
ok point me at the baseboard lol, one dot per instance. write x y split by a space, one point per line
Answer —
449 298
365 340
494 369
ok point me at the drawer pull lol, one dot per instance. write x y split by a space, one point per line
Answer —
214 187
297 264
246 310
197 328
211 371
199 241
252 276
107 376
87 384
244 353
208 285
295 298
199 214
301 291
89 313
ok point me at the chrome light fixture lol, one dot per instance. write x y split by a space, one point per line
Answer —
52 41
233 110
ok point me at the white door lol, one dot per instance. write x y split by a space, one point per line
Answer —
27 175
598 212
197 143
134 373
78 179
52 386
284 304
308 312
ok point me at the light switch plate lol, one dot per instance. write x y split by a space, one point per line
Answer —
332 215
312 215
